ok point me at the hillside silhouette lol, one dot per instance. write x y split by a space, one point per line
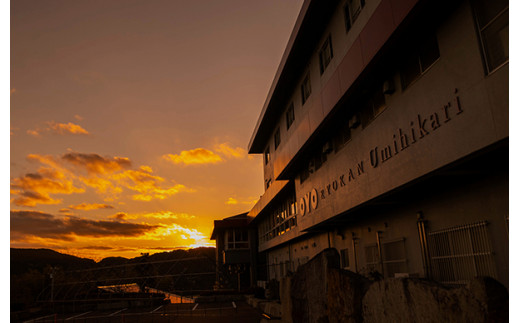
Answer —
173 271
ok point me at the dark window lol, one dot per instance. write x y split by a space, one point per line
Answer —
306 88
373 106
419 59
267 156
342 136
325 55
493 25
352 10
304 174
345 261
277 139
289 115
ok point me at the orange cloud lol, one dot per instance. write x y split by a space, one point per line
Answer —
34 133
230 152
74 172
196 156
148 185
88 207
34 188
95 164
233 201
200 156
59 128
67 128
192 237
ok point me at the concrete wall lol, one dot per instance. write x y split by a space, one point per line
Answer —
319 292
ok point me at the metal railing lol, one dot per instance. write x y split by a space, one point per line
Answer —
459 254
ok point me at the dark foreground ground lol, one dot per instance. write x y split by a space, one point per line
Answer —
180 313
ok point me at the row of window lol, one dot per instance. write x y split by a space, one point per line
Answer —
280 220
492 19
351 11
421 57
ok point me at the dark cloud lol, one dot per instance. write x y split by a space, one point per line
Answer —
43 225
120 216
97 164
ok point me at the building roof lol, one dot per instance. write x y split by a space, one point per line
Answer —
236 221
310 24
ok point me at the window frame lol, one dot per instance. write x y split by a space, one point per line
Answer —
480 32
350 19
289 115
326 54
306 89
277 138
267 156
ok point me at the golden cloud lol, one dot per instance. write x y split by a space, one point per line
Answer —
143 182
66 128
230 152
196 156
88 207
193 237
59 128
109 176
34 188
233 201
200 156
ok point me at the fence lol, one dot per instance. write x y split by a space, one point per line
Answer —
461 253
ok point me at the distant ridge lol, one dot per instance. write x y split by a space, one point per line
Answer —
24 260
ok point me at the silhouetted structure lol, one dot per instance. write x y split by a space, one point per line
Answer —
235 252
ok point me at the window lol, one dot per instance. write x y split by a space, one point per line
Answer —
461 253
342 136
325 55
280 219
268 183
375 104
237 239
289 115
394 257
345 261
372 258
267 156
493 25
277 138
352 11
306 88
419 59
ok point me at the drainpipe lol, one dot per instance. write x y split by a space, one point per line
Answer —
423 241
378 236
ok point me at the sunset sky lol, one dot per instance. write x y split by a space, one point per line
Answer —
129 120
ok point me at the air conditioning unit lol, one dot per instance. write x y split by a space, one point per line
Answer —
353 122
327 147
388 87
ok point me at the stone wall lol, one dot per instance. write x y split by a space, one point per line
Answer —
321 292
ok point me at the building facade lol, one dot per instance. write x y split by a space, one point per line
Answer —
385 136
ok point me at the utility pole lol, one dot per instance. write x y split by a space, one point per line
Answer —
52 283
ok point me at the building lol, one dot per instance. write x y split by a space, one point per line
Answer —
385 136
235 242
